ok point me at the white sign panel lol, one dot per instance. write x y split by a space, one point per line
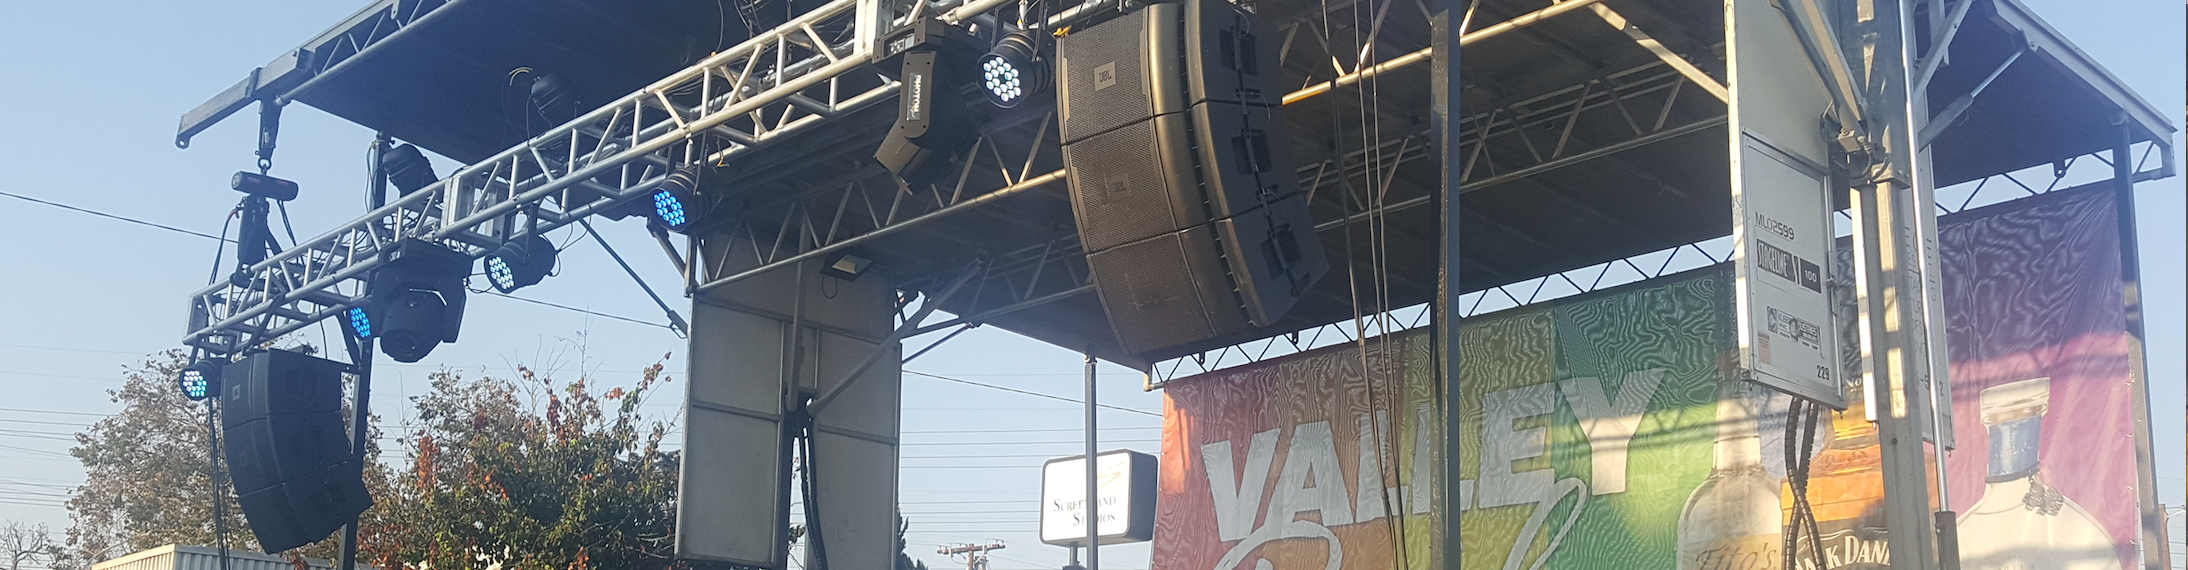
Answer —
1125 491
1781 208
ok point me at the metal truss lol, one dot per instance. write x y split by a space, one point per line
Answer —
774 85
362 31
2036 181
831 219
2095 167
1522 293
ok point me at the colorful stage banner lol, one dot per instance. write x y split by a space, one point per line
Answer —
1599 431
2045 386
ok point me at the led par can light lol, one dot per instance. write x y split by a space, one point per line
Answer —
1012 70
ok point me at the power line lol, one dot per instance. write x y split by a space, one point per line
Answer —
570 308
112 216
218 238
33 347
1034 394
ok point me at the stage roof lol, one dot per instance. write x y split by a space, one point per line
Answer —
1591 148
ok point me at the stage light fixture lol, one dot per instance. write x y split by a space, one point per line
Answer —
847 265
675 203
360 322
263 186
520 263
555 99
1012 70
200 379
407 168
414 301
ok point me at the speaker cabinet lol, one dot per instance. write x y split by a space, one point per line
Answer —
1181 180
288 448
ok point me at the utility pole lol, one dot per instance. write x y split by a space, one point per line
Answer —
976 557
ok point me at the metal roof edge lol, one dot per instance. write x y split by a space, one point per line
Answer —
2050 41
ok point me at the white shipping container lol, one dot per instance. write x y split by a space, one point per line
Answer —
177 557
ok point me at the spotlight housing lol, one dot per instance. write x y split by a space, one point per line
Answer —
263 186
200 379
414 301
675 204
407 168
1012 71
847 264
519 263
554 99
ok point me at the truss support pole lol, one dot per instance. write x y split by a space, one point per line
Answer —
1889 240
1446 28
360 415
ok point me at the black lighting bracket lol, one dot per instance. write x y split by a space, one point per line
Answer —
267 86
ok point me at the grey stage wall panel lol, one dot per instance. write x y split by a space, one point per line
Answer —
740 340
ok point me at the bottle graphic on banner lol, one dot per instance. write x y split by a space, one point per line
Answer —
1734 520
1846 488
2021 522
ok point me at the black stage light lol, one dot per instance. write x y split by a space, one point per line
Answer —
675 204
555 100
520 263
414 301
200 379
407 168
933 130
1012 71
263 186
847 265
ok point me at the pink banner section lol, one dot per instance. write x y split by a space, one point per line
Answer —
2045 473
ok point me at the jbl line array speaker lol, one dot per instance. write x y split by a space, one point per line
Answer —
288 449
1186 198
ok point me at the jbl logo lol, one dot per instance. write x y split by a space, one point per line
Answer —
1105 75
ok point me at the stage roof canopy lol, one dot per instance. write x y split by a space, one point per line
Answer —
1582 146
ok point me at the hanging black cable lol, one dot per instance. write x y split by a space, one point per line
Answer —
1800 425
808 482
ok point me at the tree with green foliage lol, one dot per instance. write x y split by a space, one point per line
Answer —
528 473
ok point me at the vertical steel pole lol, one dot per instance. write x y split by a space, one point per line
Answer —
1887 243
1093 473
2123 192
360 414
1446 27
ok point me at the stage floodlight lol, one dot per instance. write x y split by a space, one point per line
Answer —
200 379
847 265
1012 71
520 263
360 322
413 324
263 186
675 204
415 300
407 168
555 99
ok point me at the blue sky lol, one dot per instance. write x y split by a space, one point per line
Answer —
94 88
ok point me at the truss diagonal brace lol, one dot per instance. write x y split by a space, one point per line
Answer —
1650 43
1824 52
895 336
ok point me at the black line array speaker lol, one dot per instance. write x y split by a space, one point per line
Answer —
1187 201
288 448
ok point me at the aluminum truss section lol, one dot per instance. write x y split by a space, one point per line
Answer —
294 72
769 87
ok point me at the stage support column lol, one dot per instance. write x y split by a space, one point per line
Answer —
1446 25
761 350
1888 239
